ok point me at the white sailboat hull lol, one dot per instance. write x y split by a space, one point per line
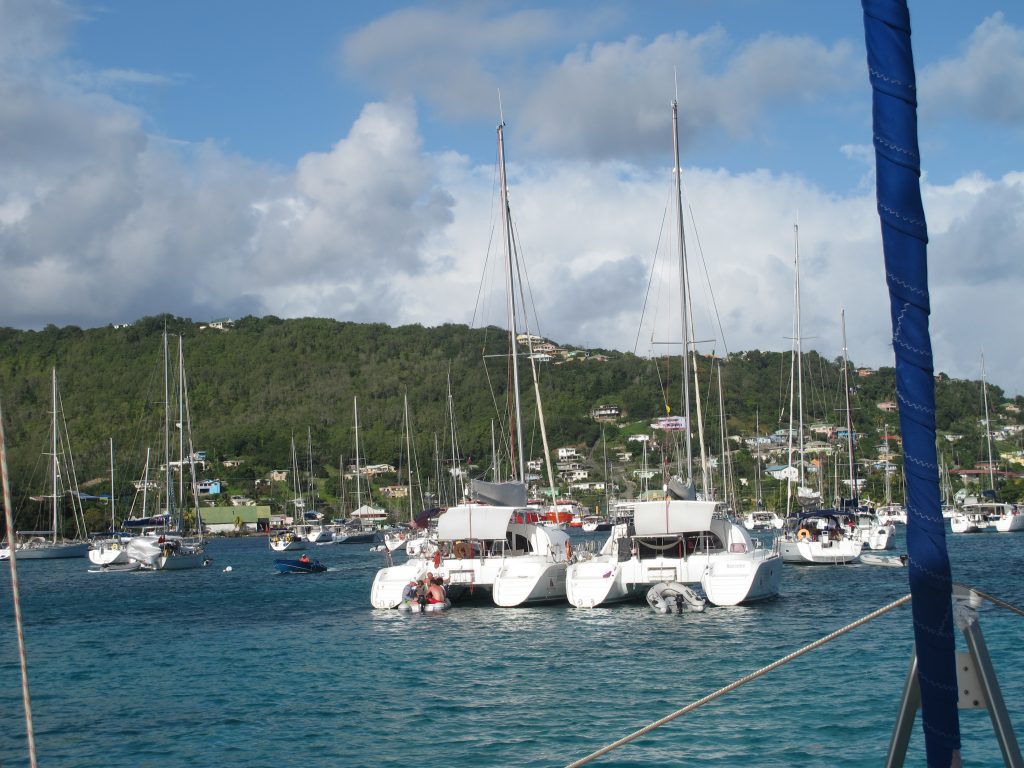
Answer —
46 551
108 553
807 552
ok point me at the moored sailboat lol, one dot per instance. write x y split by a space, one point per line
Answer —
680 538
54 543
494 545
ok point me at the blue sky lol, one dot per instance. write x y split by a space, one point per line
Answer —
336 159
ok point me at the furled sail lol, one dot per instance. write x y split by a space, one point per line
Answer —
904 240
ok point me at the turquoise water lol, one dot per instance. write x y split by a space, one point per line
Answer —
252 668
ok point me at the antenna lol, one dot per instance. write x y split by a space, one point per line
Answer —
501 113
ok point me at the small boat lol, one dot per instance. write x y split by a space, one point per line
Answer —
665 595
411 606
889 561
299 566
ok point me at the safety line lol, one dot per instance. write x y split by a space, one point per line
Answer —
742 681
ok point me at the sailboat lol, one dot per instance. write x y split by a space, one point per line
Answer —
979 513
293 538
110 550
53 543
171 547
493 545
815 536
354 531
680 540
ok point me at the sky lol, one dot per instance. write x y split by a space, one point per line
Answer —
216 160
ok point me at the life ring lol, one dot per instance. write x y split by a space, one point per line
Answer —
568 550
802 534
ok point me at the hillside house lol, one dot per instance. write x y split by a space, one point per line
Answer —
606 413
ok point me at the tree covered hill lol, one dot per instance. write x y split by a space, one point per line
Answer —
262 381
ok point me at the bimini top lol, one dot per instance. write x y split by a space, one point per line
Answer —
474 521
667 518
511 493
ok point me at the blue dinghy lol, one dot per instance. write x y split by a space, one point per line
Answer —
299 566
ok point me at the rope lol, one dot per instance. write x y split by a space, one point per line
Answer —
742 681
16 595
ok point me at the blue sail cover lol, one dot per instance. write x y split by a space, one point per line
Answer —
905 239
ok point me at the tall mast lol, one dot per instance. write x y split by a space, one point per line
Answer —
724 438
455 460
506 231
988 426
408 454
355 420
112 494
684 290
168 485
181 439
54 469
849 420
309 452
799 351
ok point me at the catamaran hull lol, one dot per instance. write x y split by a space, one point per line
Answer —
523 581
734 581
388 584
591 583
1010 523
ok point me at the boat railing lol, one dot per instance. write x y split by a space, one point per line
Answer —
976 679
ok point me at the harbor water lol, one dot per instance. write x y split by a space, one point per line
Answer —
247 667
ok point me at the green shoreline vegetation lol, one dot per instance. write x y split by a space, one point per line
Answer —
255 383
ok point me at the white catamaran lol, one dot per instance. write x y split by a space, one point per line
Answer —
679 540
494 545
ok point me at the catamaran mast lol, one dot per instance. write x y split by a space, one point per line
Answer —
799 354
988 427
849 420
506 227
168 485
683 289
355 421
408 454
112 494
54 469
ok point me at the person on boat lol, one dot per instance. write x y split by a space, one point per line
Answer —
409 593
304 559
435 592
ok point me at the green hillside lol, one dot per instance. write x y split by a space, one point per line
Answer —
262 381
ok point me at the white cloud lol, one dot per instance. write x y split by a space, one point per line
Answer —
100 222
449 58
603 100
984 80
